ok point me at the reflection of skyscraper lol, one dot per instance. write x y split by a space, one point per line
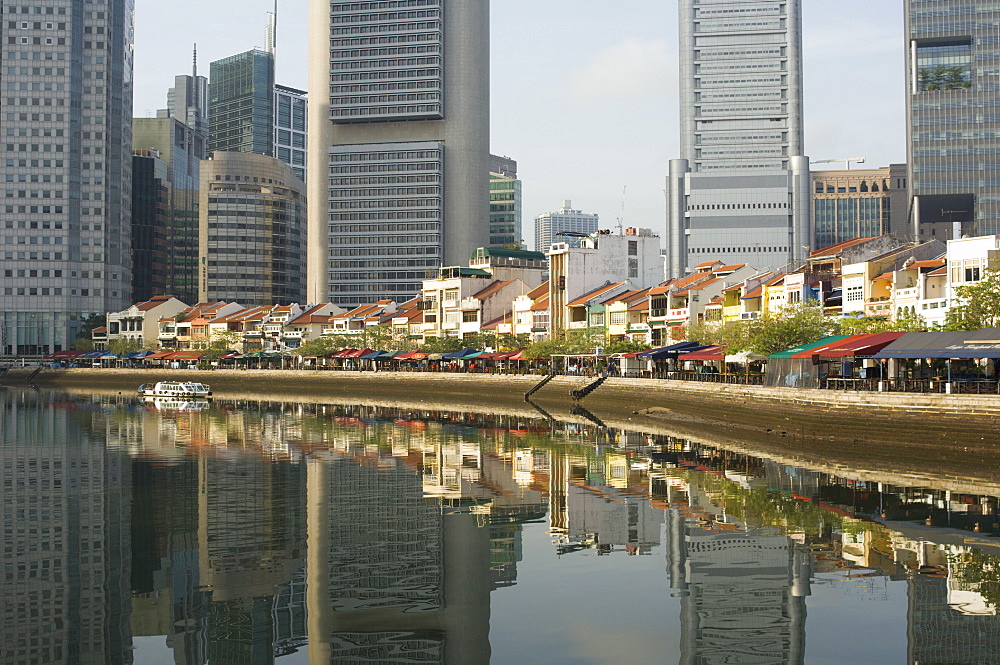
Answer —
939 633
64 513
742 595
390 573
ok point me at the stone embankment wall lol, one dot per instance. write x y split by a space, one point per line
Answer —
487 388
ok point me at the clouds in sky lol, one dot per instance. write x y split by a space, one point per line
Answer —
584 93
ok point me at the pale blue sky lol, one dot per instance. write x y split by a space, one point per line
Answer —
584 92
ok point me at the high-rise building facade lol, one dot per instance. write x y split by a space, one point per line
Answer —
65 113
252 231
182 149
290 110
241 103
741 190
187 101
399 130
150 221
859 203
553 227
505 203
953 126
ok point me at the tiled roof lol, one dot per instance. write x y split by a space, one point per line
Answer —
659 290
932 263
885 275
492 289
754 293
592 295
539 291
730 268
833 250
943 270
309 316
707 264
153 302
540 304
626 297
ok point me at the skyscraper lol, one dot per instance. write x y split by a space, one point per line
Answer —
290 107
399 128
66 115
187 101
505 203
182 149
953 127
252 231
551 227
741 190
241 103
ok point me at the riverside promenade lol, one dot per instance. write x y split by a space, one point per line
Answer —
943 436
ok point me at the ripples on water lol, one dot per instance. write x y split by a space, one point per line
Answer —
261 532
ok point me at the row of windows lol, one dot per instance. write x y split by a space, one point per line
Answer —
384 180
386 251
741 11
35 210
385 65
383 156
384 16
382 228
343 7
427 84
738 206
735 138
755 249
705 82
394 100
708 53
389 191
44 291
39 273
422 215
388 239
368 276
424 38
34 256
35 101
394 263
371 27
349 204
715 110
393 74
38 10
382 52
34 240
388 168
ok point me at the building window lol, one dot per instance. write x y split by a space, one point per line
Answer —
944 65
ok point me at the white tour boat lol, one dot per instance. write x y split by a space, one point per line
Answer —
183 389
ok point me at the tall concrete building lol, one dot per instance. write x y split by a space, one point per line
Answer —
252 231
953 129
66 110
741 190
553 227
505 203
399 128
241 103
187 101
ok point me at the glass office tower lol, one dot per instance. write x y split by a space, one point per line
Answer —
953 121
241 103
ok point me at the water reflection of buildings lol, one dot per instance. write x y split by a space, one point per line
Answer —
377 536
64 576
742 590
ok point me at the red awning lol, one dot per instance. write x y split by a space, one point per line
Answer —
708 353
856 345
62 355
159 355
411 355
343 353
357 353
183 355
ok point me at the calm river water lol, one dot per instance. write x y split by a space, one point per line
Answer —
263 532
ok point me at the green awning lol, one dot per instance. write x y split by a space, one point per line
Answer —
788 353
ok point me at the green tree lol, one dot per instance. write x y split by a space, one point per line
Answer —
442 345
977 304
222 342
730 336
787 327
546 349
626 346
319 347
376 337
